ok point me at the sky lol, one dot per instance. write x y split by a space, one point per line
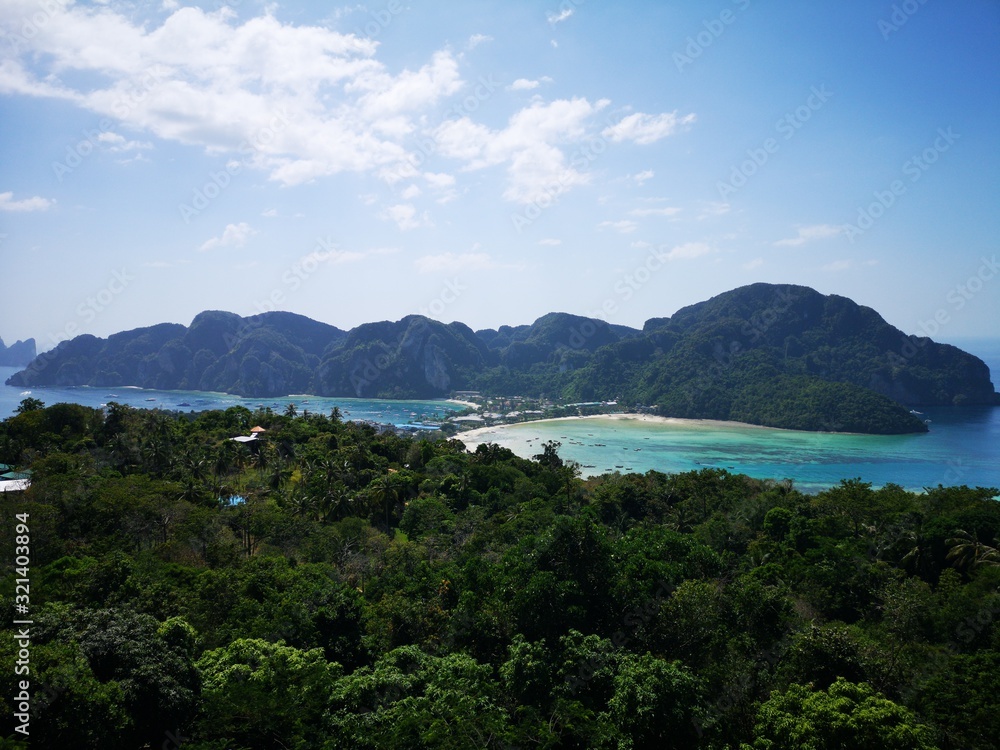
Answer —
492 162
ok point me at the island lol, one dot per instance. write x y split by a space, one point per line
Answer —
776 355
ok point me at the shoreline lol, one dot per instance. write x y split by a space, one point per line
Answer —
470 404
653 419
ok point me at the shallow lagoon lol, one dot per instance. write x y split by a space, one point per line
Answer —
963 447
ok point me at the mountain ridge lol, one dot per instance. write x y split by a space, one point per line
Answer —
779 355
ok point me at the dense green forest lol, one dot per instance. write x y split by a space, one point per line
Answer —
329 586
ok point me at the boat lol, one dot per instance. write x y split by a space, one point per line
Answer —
151 399
184 403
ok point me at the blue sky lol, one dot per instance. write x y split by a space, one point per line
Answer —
491 162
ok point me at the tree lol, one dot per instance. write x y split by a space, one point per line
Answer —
847 715
264 695
968 553
28 405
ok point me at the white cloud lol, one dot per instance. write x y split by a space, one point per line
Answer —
645 129
809 234
689 250
35 203
624 226
643 176
665 211
157 264
297 101
550 242
439 179
117 143
523 84
405 216
527 84
554 18
640 244
451 262
269 213
715 208
476 39
234 235
537 168
752 264
411 192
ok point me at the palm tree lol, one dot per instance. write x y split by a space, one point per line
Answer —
385 492
969 553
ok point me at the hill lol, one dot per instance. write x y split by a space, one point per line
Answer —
776 355
17 354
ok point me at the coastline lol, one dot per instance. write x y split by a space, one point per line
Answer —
470 404
653 419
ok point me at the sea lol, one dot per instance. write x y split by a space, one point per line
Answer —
415 414
962 447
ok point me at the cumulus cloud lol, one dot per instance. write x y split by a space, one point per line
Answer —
527 84
298 101
810 234
537 167
554 18
646 174
645 129
405 216
35 203
234 235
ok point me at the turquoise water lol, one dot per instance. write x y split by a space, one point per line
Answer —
388 412
963 446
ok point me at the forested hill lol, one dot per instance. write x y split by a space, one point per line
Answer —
777 355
